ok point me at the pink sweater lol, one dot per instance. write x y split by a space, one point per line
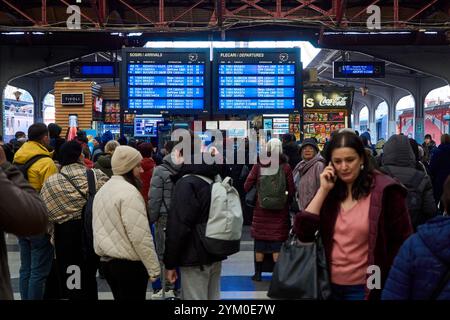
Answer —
349 257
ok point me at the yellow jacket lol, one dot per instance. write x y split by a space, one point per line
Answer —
41 169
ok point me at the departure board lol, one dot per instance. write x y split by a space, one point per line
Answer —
257 80
166 80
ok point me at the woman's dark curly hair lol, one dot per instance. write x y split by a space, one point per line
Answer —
364 182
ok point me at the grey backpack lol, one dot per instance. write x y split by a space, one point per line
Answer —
221 234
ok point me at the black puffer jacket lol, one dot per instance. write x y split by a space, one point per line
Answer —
189 207
399 161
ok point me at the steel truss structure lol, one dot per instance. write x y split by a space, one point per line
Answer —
204 15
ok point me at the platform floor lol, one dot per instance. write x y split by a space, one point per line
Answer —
235 281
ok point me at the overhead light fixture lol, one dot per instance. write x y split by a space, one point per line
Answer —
17 94
364 91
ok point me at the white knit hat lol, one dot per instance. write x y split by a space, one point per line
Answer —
125 159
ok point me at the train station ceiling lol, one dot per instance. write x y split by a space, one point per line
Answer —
240 20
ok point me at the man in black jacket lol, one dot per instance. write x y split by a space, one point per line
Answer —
200 270
22 212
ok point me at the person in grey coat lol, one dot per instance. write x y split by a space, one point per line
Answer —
399 162
160 196
307 173
22 212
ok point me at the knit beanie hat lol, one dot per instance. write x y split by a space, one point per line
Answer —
125 159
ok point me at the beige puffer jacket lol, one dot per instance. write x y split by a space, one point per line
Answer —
121 227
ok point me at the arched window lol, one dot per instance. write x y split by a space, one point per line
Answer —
404 115
437 105
381 120
363 119
18 108
48 109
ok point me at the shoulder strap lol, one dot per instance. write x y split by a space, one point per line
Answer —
73 184
207 180
27 165
92 190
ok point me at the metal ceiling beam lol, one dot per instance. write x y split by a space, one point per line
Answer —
22 13
238 13
421 10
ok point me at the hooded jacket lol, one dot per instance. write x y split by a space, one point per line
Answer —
148 164
421 264
41 169
104 164
440 169
189 207
389 225
161 188
22 212
400 162
307 179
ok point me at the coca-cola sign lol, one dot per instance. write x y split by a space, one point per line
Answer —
327 99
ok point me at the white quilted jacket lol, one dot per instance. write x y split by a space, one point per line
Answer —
121 227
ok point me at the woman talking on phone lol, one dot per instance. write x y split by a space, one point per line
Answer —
362 217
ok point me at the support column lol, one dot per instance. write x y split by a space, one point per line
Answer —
2 107
372 125
419 108
392 125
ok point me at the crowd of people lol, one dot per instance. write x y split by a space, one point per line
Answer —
131 212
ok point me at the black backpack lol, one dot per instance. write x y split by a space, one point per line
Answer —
27 165
87 233
414 199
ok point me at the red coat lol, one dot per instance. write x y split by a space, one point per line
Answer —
148 164
389 225
270 225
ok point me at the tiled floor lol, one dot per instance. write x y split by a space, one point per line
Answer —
235 282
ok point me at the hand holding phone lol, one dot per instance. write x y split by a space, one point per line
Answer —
328 178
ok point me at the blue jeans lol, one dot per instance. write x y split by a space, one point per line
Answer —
36 256
353 292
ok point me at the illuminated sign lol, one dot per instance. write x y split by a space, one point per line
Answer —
257 80
72 99
358 69
170 80
327 99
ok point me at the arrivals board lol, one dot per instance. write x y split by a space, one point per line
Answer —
257 80
166 80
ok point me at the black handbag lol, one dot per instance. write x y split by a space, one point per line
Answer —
250 197
301 271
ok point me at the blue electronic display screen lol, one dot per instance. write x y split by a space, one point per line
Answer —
163 104
358 69
166 81
256 69
227 92
97 70
154 81
259 104
257 80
